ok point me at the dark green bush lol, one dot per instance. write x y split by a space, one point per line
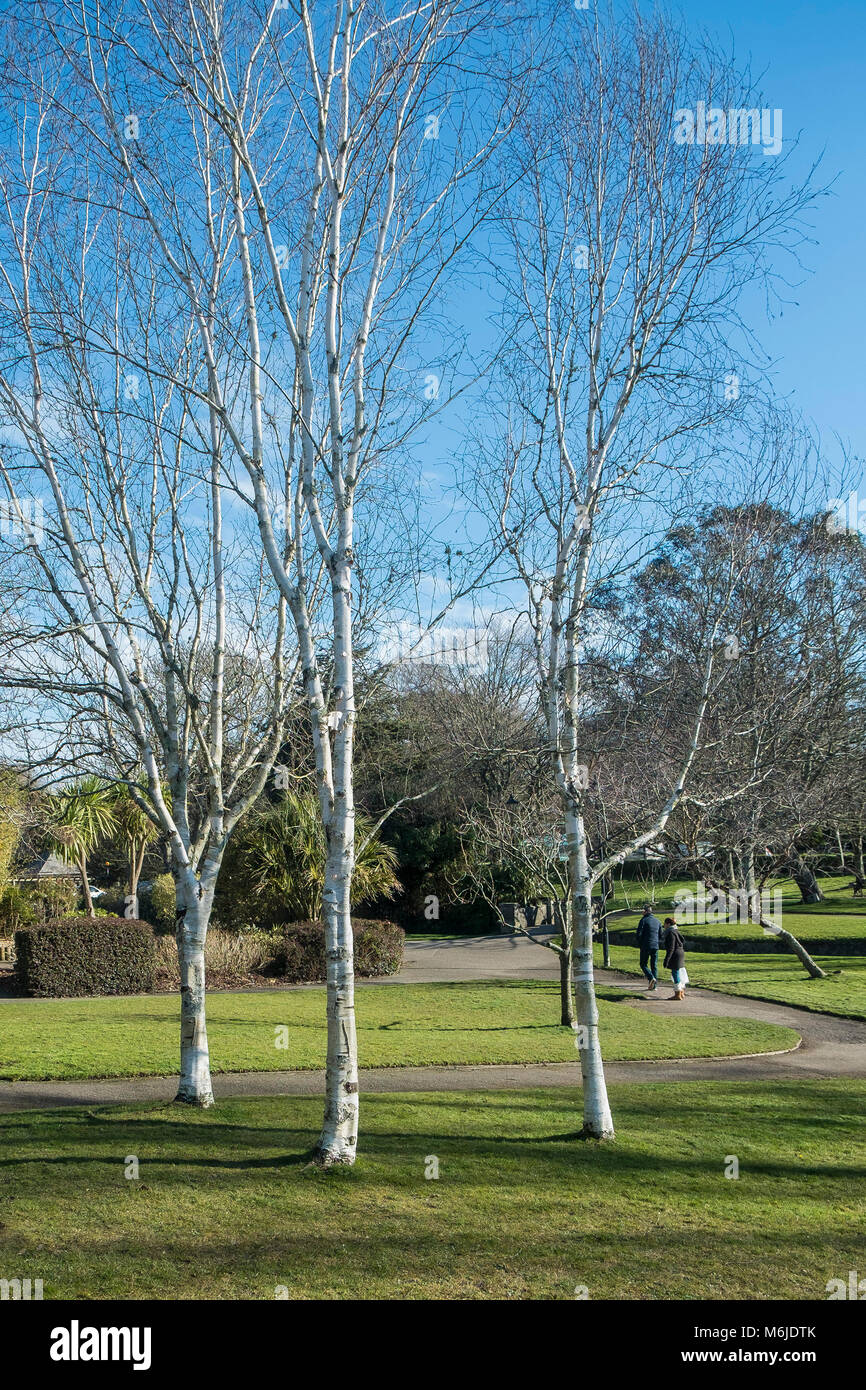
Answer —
757 945
378 950
85 955
162 902
112 900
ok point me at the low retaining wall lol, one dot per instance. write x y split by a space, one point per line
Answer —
530 916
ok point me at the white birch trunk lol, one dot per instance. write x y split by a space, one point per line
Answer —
190 933
597 1118
338 1141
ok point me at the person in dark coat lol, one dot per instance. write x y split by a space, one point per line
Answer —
675 958
649 933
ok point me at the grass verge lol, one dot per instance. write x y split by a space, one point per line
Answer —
224 1207
778 979
509 1021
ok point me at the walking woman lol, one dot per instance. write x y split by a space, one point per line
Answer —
675 958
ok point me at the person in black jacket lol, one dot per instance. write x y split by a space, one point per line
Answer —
675 958
649 932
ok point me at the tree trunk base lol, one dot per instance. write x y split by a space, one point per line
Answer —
189 1097
586 1133
332 1158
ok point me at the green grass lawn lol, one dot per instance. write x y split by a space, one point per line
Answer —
824 926
225 1208
398 1025
632 895
778 978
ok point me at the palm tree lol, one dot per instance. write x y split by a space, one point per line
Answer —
138 830
84 815
284 852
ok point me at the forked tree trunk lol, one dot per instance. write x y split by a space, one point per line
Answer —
136 862
750 887
806 882
193 914
860 866
597 1119
731 872
843 867
606 891
566 991
85 886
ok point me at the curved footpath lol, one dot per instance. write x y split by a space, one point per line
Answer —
831 1046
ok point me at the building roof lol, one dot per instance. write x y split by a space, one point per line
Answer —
46 866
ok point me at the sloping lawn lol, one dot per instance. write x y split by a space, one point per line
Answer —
225 1208
398 1025
808 924
837 902
825 926
778 978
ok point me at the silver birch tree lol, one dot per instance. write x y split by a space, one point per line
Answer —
307 128
141 624
624 253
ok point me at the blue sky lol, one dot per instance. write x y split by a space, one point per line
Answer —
810 61
813 60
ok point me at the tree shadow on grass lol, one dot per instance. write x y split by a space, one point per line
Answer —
559 1151
294 1160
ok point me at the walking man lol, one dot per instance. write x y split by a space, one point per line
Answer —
649 934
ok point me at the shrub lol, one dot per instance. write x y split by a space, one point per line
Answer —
378 950
17 909
40 901
227 956
163 901
274 868
112 901
85 955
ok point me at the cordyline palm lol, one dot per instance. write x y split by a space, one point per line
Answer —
284 854
83 815
138 831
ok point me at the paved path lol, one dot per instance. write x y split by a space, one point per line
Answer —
831 1047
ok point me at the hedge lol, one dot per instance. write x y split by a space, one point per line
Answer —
755 945
378 950
85 955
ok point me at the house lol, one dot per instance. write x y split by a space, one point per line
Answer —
47 868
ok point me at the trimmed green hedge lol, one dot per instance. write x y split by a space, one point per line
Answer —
85 955
378 950
755 945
